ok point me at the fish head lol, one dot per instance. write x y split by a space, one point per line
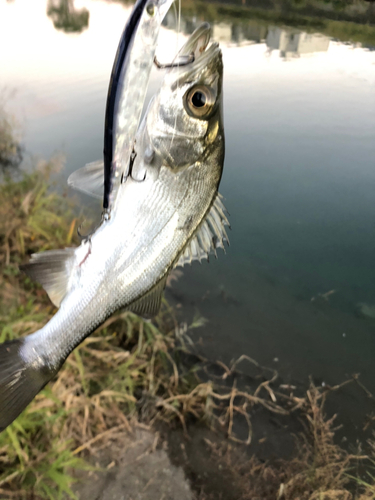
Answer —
185 117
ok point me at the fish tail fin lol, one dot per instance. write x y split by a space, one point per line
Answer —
20 381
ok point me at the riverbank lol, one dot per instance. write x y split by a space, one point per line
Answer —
236 430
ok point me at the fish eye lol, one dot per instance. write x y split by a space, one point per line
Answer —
150 9
199 101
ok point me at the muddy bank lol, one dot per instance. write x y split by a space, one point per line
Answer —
144 463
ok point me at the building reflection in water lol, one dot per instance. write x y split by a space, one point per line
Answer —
290 43
250 32
294 44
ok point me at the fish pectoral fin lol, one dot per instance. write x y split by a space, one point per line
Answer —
89 179
148 306
52 269
211 234
20 381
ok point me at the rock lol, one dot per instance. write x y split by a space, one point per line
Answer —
141 472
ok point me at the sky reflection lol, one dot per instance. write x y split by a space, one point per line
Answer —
52 69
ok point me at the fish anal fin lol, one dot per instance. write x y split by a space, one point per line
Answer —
52 269
148 305
210 235
89 179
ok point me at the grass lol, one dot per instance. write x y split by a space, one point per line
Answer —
10 148
131 368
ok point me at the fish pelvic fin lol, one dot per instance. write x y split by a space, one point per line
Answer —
148 306
52 269
89 179
20 381
210 235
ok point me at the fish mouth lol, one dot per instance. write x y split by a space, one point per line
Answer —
199 49
197 42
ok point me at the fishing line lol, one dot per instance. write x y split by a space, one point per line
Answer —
179 22
178 65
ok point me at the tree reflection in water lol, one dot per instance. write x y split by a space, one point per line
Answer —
65 17
11 150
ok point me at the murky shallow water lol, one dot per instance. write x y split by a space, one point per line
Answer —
299 177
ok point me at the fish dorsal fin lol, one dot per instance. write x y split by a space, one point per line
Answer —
89 179
210 235
52 269
149 305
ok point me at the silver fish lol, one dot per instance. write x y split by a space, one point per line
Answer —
167 213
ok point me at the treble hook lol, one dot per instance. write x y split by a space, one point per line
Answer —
188 60
133 156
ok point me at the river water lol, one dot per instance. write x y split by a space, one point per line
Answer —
296 289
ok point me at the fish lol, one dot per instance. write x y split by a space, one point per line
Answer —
125 99
167 213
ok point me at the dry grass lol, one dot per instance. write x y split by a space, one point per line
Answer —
319 471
